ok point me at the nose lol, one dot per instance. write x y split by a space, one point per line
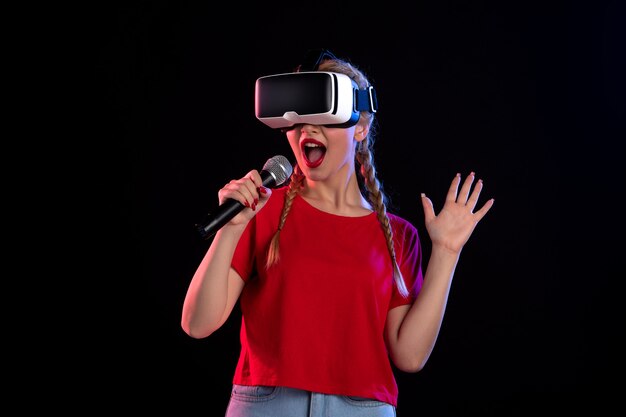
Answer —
308 128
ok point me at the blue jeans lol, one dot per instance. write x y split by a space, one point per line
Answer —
262 401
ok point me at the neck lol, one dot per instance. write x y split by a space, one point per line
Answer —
341 195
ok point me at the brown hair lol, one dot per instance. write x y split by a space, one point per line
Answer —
370 186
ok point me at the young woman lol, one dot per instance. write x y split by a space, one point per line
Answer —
329 283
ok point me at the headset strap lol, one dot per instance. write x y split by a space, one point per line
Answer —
313 58
365 100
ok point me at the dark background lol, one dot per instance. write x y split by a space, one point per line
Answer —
529 95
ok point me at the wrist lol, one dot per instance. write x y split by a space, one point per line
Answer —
445 251
232 230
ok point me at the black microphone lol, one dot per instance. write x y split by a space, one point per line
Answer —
275 172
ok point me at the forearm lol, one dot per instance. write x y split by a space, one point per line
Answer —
206 301
420 328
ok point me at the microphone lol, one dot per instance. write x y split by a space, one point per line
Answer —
275 172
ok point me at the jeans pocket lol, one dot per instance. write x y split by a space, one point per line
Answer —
363 402
253 393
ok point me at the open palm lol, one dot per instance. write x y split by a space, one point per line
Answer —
456 221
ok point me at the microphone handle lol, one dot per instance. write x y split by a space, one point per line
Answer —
230 208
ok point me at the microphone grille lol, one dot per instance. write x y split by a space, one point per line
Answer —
280 167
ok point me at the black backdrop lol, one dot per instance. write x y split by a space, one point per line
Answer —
530 96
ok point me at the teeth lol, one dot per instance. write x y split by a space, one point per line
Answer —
312 145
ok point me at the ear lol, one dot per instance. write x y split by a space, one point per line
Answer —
360 132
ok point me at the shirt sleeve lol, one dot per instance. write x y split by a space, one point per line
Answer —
409 257
251 248
243 258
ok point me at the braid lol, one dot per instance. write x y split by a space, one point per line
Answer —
295 185
378 199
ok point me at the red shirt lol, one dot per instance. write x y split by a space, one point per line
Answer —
315 321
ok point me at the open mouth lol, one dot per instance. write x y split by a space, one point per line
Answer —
313 152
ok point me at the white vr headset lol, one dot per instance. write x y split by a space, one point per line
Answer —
311 97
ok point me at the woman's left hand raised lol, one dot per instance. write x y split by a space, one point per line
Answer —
454 224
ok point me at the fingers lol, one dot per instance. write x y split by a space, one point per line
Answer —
473 199
454 187
239 190
464 196
246 190
483 210
429 210
465 189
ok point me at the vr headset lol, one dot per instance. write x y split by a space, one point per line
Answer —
311 97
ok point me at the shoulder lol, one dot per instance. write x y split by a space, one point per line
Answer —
400 224
403 230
